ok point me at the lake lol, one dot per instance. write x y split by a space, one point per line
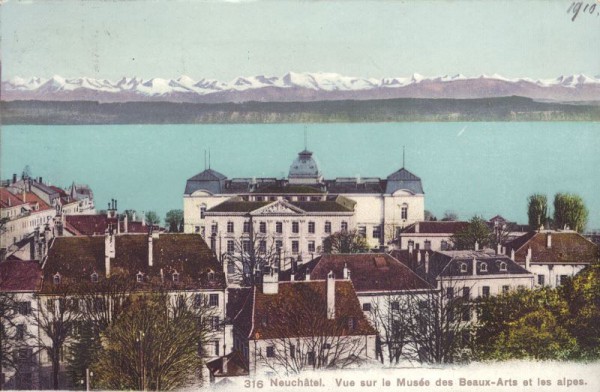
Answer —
470 168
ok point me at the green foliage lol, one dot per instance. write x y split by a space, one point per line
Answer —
152 218
450 216
345 242
174 221
83 351
130 214
537 210
154 344
477 231
570 210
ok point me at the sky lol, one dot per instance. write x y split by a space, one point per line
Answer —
226 39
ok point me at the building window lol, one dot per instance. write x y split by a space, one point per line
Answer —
541 280
427 245
216 345
176 277
450 292
230 246
466 313
503 266
213 300
310 357
483 267
24 307
197 229
411 244
366 307
311 227
139 277
247 227
292 351
444 245
295 227
278 245
351 323
278 227
295 246
562 279
214 228
505 289
485 291
231 267
246 246
202 211
262 246
215 323
344 226
20 333
270 351
262 227
327 227
362 231
230 227
376 231
94 277
395 305
404 212
466 293
311 246
57 279
463 268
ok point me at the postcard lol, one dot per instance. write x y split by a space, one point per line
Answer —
300 195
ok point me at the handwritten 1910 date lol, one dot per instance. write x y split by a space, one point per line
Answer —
583 8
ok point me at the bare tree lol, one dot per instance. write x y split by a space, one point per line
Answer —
345 242
251 254
9 342
389 317
156 343
55 320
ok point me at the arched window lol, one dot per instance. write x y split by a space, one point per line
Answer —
94 277
57 278
463 268
483 267
139 277
176 277
502 266
404 211
344 226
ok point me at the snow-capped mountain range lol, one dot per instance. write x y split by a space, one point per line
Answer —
299 87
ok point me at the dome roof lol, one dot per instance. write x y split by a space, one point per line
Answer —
305 167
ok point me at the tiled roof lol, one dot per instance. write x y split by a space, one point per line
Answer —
208 179
308 206
320 206
368 271
283 314
31 198
410 259
239 206
287 189
566 247
97 224
448 264
19 276
76 258
236 297
354 186
403 179
8 200
436 227
236 365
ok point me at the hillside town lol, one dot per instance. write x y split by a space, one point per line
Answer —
276 276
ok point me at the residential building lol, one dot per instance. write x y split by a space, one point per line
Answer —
552 256
20 282
430 235
382 206
286 327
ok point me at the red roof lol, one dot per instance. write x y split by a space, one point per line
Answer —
369 272
98 224
8 200
300 307
32 198
566 247
18 276
436 227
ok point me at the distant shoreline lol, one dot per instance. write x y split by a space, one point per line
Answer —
512 108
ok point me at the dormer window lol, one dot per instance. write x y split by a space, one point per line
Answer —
139 277
211 275
463 268
502 266
483 267
57 278
94 277
175 277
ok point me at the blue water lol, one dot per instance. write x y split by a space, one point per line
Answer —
470 168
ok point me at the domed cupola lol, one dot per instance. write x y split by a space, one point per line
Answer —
304 169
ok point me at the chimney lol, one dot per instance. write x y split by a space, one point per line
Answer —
162 276
150 253
24 196
271 281
426 262
224 367
143 219
125 222
503 250
307 277
417 227
410 248
474 266
14 179
225 265
512 254
330 296
418 257
346 272
528 259
476 245
498 249
109 251
549 240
